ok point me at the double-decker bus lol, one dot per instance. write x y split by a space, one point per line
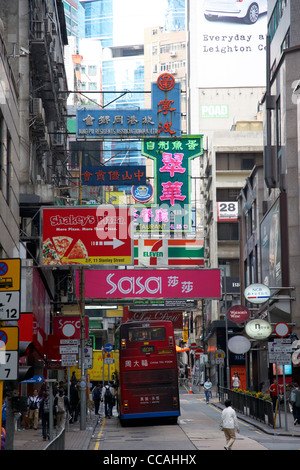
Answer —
147 371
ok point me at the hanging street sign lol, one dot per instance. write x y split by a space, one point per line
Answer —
168 252
162 119
238 313
171 209
281 329
99 235
258 329
151 283
257 293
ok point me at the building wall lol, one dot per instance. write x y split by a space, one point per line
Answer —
9 143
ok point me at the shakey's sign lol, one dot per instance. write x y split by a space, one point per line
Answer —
87 236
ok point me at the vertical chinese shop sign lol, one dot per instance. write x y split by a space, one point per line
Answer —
172 172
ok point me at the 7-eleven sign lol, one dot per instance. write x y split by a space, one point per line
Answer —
168 252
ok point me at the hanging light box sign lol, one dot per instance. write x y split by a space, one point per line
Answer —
257 293
239 344
238 313
258 329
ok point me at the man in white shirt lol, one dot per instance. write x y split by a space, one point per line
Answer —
229 424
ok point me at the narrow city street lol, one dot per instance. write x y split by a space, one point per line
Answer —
197 429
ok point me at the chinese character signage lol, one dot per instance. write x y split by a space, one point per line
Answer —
113 175
172 183
152 283
87 236
162 120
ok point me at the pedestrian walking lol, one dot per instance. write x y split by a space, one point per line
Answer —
33 409
97 398
61 407
229 424
297 406
45 414
274 393
236 382
74 402
108 398
207 389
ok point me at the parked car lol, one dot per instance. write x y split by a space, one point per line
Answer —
248 10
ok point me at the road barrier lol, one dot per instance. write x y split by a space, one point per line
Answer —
58 443
248 405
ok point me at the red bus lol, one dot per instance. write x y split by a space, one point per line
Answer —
147 373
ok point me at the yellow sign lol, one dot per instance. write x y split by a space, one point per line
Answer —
96 374
10 274
9 338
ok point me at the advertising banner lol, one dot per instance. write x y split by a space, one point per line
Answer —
174 317
168 252
85 236
113 175
148 283
172 183
163 119
230 40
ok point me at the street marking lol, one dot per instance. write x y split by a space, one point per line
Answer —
99 436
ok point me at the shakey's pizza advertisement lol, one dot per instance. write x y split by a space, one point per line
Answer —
87 236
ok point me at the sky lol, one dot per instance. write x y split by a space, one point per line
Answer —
133 16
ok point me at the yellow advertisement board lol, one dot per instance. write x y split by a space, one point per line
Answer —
96 374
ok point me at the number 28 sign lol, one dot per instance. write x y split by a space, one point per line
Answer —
227 211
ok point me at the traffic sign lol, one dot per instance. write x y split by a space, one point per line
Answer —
10 274
281 329
198 352
108 347
8 365
68 360
9 338
10 305
34 380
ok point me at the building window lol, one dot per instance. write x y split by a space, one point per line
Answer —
228 231
92 70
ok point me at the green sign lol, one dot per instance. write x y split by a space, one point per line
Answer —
172 182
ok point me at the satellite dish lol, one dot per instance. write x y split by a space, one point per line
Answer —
296 357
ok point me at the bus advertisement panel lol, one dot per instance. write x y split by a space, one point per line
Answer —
147 375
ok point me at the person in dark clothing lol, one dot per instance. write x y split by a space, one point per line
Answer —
74 402
45 413
108 398
97 398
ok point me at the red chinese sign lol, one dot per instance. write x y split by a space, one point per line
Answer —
80 235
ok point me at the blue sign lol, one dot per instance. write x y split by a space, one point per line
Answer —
162 120
34 380
108 347
142 193
113 175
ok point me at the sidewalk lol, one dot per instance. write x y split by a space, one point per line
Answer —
75 438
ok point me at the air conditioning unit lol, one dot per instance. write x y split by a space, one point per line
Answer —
173 71
173 54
